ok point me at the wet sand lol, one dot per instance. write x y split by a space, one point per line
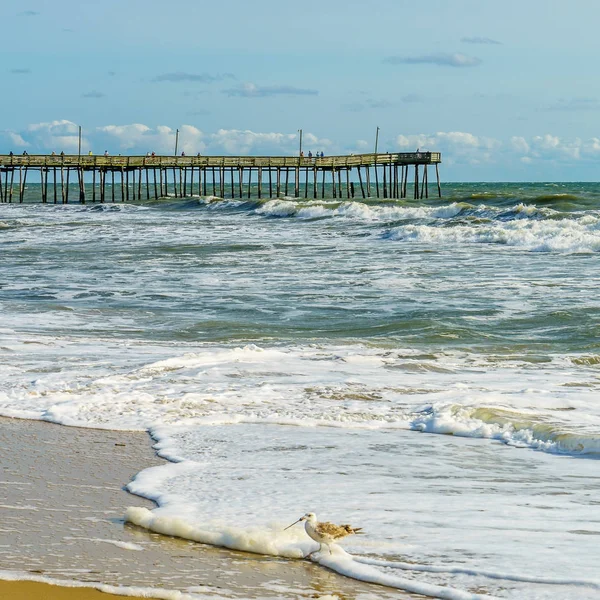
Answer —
61 516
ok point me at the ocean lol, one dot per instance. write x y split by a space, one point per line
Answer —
427 370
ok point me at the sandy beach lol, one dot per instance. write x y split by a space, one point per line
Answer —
31 590
61 507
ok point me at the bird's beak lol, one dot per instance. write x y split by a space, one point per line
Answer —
298 521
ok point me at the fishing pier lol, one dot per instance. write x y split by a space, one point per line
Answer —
129 178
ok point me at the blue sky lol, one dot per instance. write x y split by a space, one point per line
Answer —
507 90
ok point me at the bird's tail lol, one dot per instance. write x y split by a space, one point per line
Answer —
351 529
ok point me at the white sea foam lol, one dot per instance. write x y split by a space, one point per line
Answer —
418 503
355 210
342 387
565 235
275 542
590 583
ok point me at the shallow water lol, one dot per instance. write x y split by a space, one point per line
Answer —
294 355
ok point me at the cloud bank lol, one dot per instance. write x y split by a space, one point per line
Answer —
458 148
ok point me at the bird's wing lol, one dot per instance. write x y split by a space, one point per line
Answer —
330 529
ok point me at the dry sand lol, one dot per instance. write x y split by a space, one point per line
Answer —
31 590
61 516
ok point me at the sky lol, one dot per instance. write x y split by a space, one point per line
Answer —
507 90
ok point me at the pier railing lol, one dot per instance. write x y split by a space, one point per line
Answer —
87 161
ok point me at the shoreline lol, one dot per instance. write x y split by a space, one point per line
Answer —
62 507
26 589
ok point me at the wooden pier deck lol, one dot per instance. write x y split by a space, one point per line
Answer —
382 175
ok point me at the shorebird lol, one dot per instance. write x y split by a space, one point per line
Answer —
323 532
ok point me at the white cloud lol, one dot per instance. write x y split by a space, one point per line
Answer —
552 147
458 146
519 144
141 139
16 139
235 141
55 136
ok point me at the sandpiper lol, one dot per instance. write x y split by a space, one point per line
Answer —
323 532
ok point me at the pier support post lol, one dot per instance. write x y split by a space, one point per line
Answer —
362 188
102 185
260 182
333 182
23 186
416 191
306 182
348 184
62 184
81 185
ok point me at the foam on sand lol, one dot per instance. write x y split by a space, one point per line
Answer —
291 544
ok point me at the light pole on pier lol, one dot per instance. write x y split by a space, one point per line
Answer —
176 140
79 145
300 151
376 139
